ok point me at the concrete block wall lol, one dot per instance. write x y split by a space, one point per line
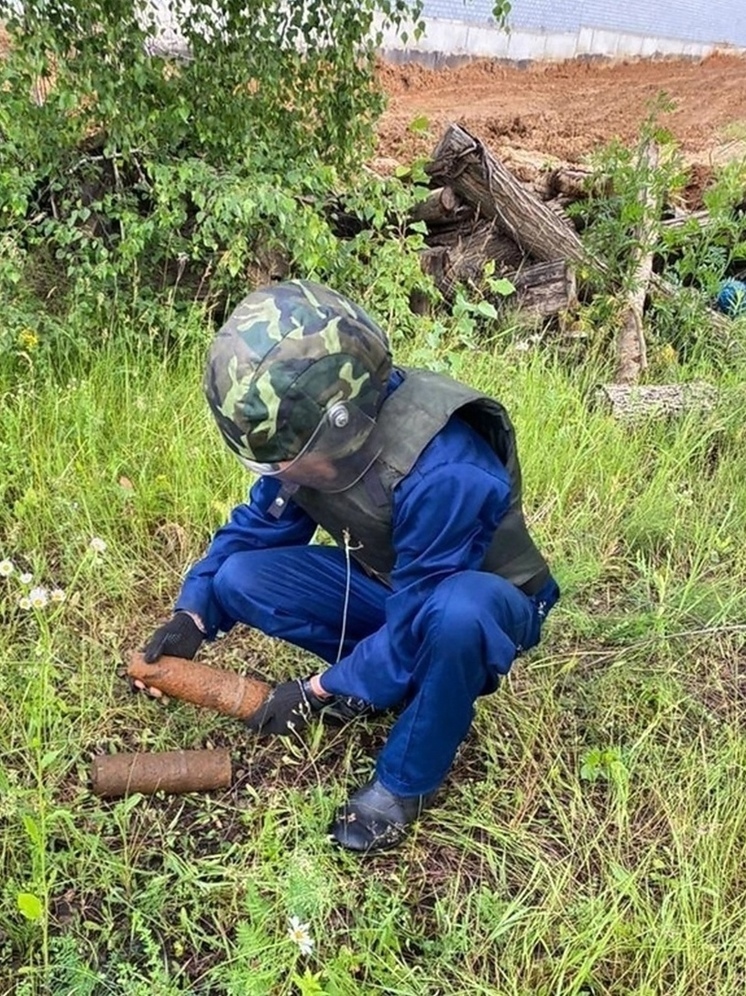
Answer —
565 29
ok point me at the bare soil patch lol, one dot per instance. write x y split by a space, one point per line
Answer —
569 109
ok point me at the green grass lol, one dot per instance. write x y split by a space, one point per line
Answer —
592 838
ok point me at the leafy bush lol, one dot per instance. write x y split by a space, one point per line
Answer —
147 173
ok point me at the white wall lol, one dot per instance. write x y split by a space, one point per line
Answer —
447 40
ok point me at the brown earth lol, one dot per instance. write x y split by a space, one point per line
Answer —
569 109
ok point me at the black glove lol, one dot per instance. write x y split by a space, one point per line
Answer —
291 705
179 637
286 711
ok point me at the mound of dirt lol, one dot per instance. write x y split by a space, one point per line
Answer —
567 109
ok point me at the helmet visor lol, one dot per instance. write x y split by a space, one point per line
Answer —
343 446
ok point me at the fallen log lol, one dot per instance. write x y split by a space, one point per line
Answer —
541 289
635 402
632 356
482 243
533 169
464 163
463 258
434 262
482 237
558 205
577 182
441 207
544 289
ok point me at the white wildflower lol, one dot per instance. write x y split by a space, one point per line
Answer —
26 578
6 568
39 598
57 595
24 602
97 545
299 933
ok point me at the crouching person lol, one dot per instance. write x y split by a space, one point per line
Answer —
434 586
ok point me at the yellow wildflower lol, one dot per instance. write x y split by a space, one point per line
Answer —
28 339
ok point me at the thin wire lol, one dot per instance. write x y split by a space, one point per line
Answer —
348 582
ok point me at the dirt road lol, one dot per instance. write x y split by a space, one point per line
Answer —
571 108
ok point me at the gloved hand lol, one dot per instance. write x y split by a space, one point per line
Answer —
286 711
179 637
292 704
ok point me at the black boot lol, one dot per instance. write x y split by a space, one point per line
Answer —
374 819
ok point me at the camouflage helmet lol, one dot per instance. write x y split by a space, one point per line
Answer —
286 355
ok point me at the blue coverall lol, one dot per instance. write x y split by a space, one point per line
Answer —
434 641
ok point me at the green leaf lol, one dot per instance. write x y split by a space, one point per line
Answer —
125 807
486 309
309 984
33 830
30 905
500 11
419 125
49 758
502 286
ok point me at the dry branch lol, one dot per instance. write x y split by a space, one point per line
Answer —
683 218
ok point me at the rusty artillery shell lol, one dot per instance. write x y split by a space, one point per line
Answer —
171 771
223 691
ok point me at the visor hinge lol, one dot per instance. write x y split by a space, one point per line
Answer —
278 506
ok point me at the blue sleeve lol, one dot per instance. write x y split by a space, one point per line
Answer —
250 527
445 515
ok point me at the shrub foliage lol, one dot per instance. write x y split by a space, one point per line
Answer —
133 156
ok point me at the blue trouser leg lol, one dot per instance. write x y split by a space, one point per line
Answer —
468 633
298 595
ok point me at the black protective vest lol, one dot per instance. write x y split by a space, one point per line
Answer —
408 419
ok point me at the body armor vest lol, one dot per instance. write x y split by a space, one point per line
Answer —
408 419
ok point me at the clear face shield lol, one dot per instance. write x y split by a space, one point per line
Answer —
343 446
